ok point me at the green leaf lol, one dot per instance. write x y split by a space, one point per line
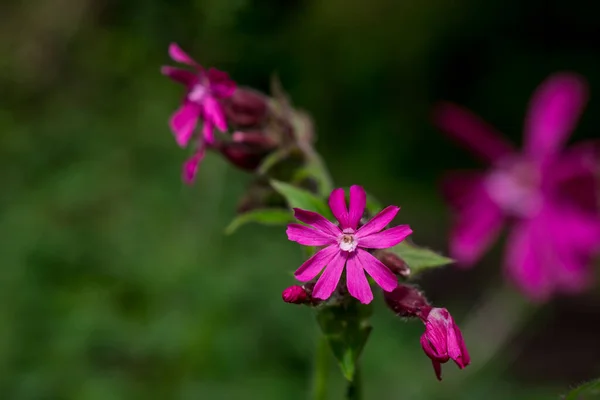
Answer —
347 328
265 216
419 258
587 391
300 198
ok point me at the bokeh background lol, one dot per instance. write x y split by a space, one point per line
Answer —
116 280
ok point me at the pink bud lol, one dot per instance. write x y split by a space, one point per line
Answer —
443 341
397 265
407 301
246 107
294 294
247 149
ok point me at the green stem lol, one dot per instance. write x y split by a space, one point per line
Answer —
321 373
354 389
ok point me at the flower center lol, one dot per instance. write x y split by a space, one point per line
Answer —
347 241
198 92
515 188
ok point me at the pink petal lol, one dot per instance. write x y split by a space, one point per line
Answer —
330 278
208 132
183 76
358 201
437 367
358 285
220 83
388 238
337 203
183 123
317 221
378 222
479 221
213 112
191 166
471 131
554 110
315 264
523 264
180 56
307 236
461 354
377 270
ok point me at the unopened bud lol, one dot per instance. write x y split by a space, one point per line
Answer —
295 295
407 301
247 149
397 265
246 107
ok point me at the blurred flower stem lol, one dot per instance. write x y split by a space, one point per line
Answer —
354 389
321 372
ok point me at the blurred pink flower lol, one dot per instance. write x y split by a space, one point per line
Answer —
204 89
548 195
345 244
443 341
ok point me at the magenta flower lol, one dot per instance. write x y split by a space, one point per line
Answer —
443 341
549 196
345 244
205 89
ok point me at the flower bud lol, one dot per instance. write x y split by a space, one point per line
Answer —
397 265
407 301
295 295
443 341
247 149
246 107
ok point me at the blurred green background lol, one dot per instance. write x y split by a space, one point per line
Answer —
116 280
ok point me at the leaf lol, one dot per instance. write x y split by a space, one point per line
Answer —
347 328
300 198
265 216
589 390
419 258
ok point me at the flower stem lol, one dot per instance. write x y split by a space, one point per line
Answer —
354 389
321 373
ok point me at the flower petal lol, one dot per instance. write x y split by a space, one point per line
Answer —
378 222
388 238
180 56
220 83
522 262
554 110
308 236
337 203
471 131
377 270
208 132
311 267
183 122
330 278
358 201
183 76
358 285
479 221
317 221
191 166
213 112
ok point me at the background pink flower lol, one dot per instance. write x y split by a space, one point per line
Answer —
554 233
345 246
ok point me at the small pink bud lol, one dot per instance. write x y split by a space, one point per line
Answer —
247 149
407 301
246 107
443 341
397 265
295 295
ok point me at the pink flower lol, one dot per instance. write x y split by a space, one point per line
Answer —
345 244
443 341
555 229
205 89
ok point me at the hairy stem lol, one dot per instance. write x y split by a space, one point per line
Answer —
321 372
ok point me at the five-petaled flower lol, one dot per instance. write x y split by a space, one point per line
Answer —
443 341
345 244
205 89
549 195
